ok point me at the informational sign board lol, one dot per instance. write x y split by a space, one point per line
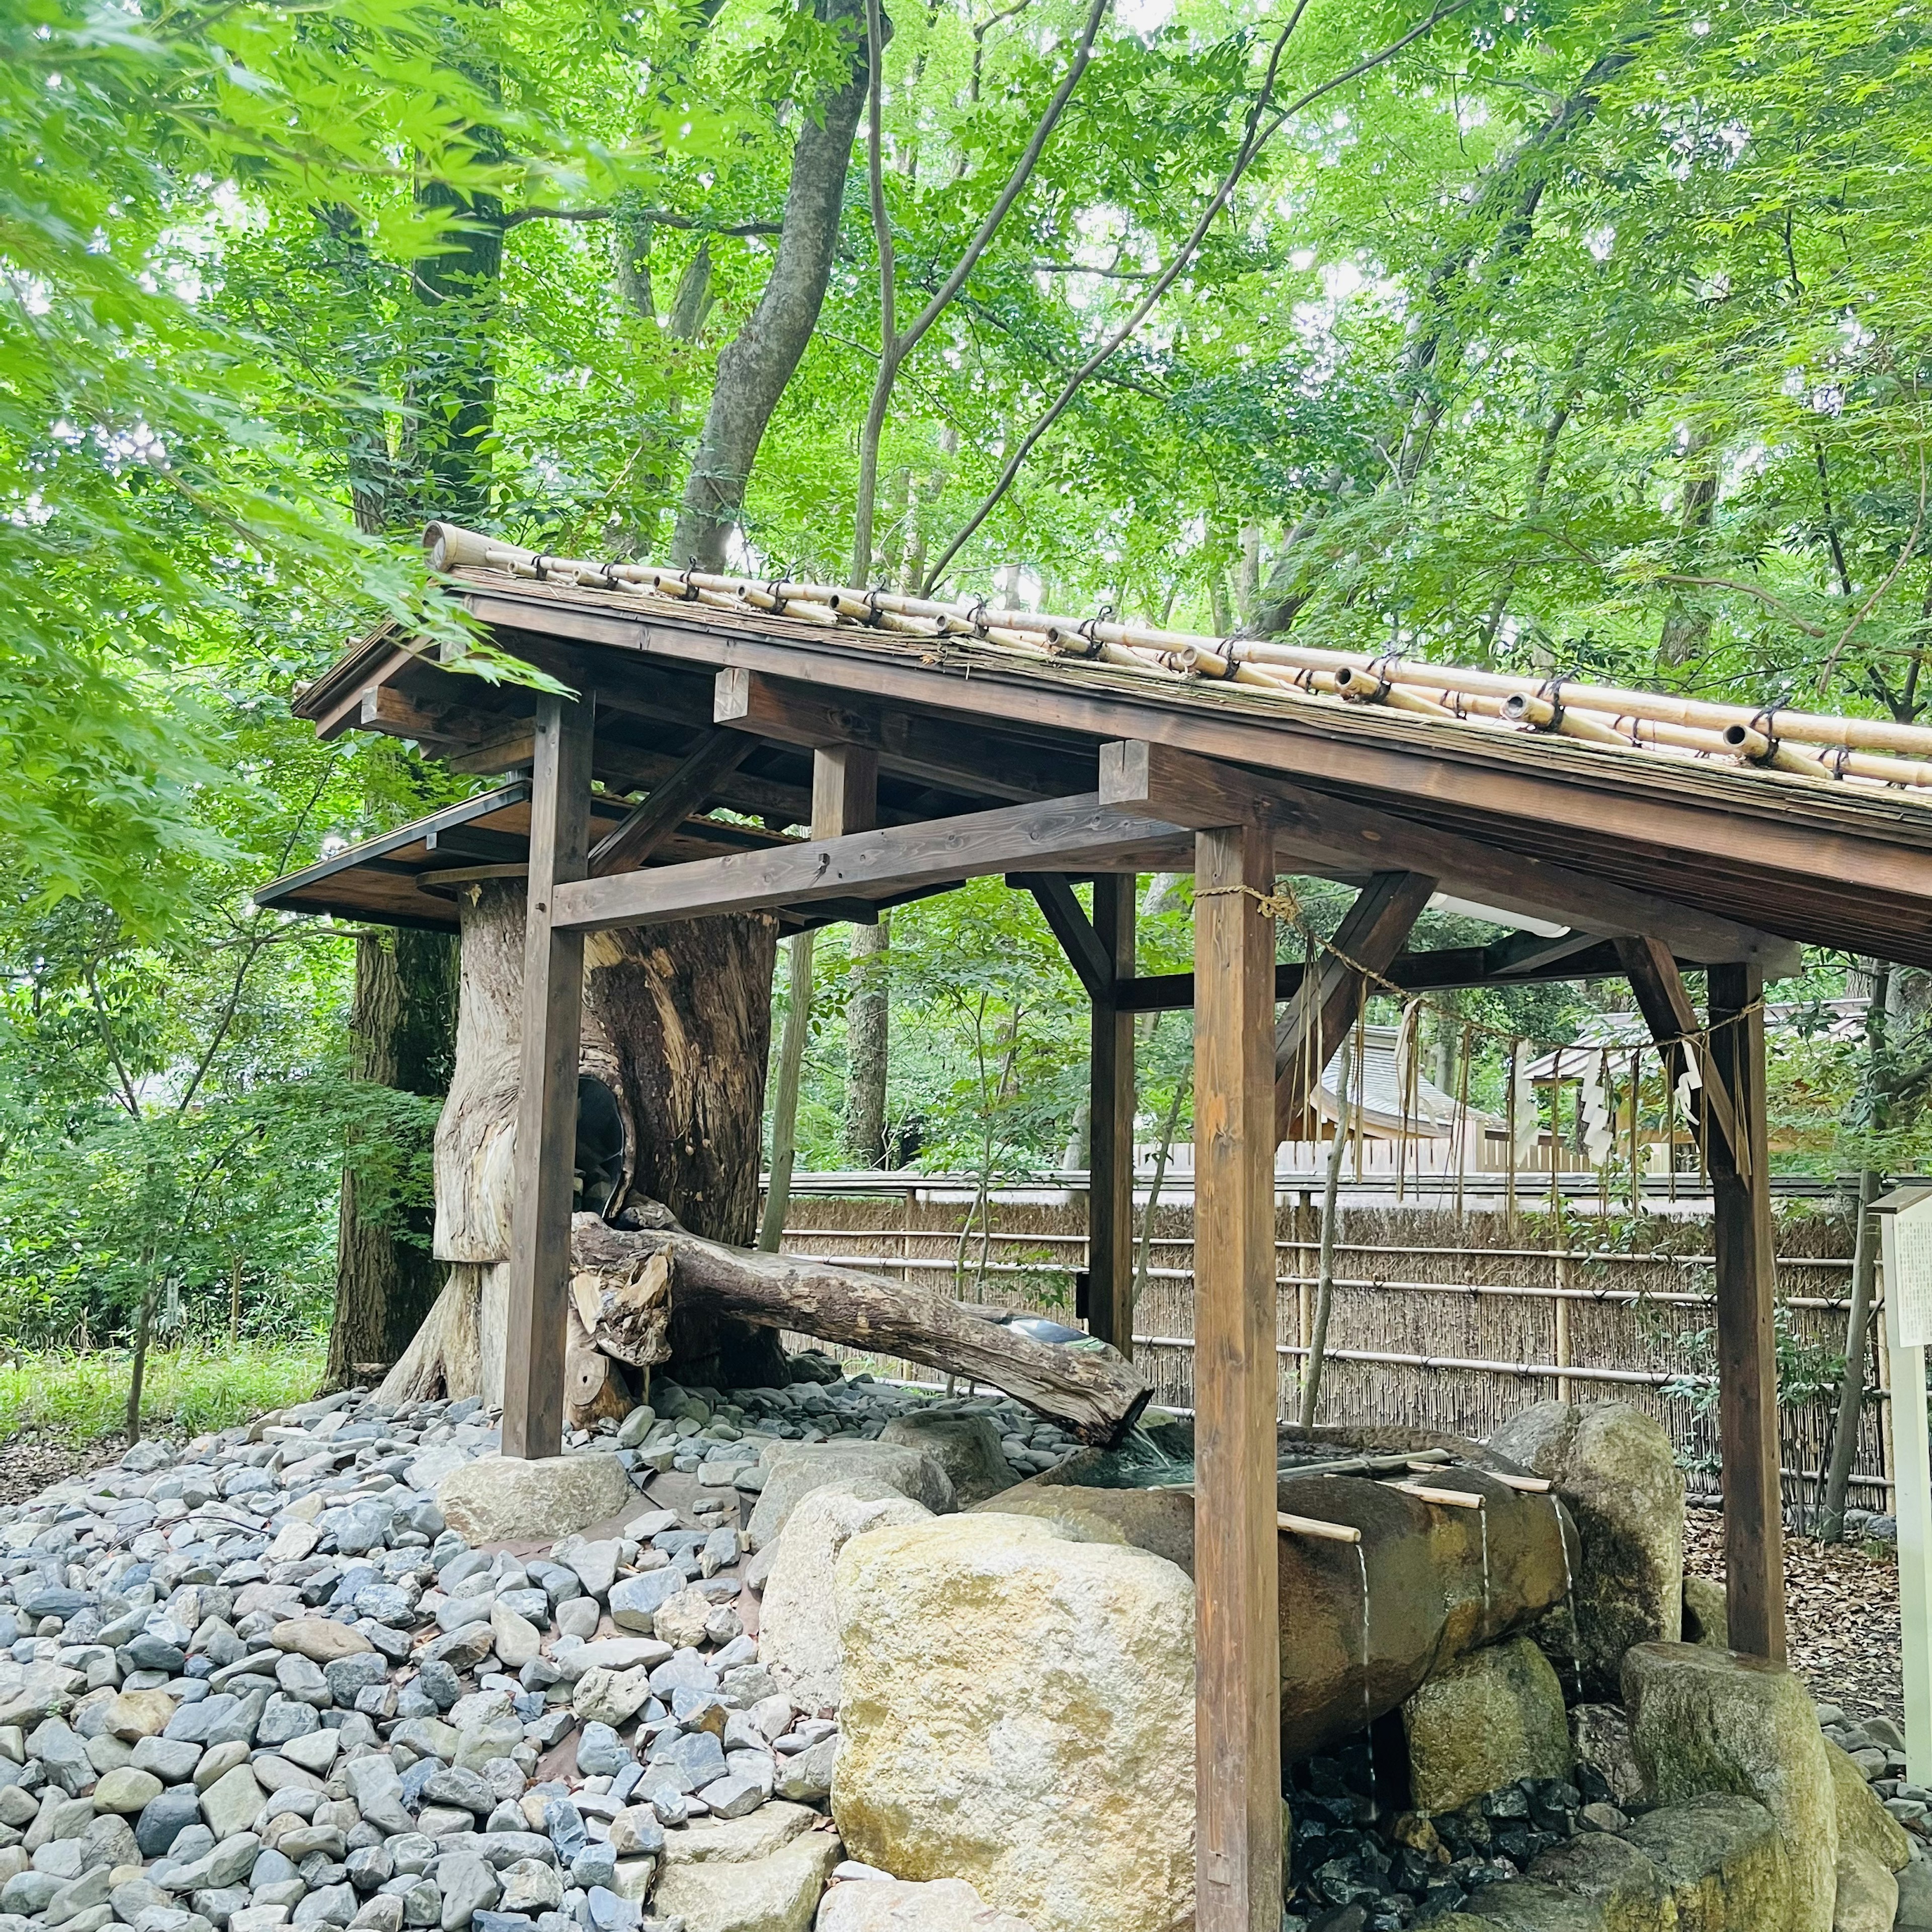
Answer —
1908 1274
1905 1224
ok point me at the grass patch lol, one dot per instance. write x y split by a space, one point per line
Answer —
188 1391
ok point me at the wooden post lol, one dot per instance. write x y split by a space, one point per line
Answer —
1238 1647
1110 1177
546 1148
1747 1279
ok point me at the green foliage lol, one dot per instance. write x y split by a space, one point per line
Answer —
1577 336
83 1396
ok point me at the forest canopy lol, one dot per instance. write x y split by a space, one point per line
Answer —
1560 338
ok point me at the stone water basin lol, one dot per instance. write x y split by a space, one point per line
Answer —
1364 1624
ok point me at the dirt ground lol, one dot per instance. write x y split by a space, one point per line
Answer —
29 1465
1841 1613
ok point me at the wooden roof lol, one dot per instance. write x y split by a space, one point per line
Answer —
1711 851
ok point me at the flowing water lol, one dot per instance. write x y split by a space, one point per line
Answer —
1569 1595
1483 1517
1361 1558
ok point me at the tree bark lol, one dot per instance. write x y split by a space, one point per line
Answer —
868 1018
1086 1385
677 1025
753 372
784 1097
402 1035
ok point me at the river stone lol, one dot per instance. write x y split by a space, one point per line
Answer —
1864 1823
798 1621
793 1470
319 1639
1019 1711
1867 1900
1615 1468
1706 1721
230 1803
735 1841
505 1499
966 1447
1707 1614
136 1714
778 1894
1489 1719
1724 1862
891 1905
127 1791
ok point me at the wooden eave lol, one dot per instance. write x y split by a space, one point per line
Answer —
1824 864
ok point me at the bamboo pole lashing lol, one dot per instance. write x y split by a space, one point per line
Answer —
1848 735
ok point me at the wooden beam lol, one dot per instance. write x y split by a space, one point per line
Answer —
1747 1294
384 709
1093 962
536 1323
1066 833
1373 930
1440 970
1237 1640
1315 832
844 790
1110 1120
1668 1013
959 755
646 826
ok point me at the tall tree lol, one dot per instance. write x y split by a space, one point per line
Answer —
754 369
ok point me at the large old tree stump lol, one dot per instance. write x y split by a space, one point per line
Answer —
677 1026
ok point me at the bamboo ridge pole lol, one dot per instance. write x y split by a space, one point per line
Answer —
1834 748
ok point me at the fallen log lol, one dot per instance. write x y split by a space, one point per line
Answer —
1086 1386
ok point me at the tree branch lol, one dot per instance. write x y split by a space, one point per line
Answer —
661 218
1253 140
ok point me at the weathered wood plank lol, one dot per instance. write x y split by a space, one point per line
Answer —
1060 835
1373 930
844 790
647 825
1315 832
1110 1077
1237 1693
1440 970
960 756
1747 1290
546 1148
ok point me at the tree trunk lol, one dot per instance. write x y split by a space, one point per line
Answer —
867 1023
676 1026
784 1097
402 1035
753 372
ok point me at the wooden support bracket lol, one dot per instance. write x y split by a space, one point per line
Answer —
1668 1013
648 825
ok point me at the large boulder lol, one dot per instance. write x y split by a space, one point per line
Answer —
1867 1895
1489 1719
1724 1862
505 1499
1706 1721
1614 1466
1707 1613
1018 1712
793 1470
1713 1864
891 1905
798 1620
967 1447
1864 1823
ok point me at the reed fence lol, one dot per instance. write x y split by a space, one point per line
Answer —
1444 1321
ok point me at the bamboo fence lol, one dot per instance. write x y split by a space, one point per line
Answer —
1441 1320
